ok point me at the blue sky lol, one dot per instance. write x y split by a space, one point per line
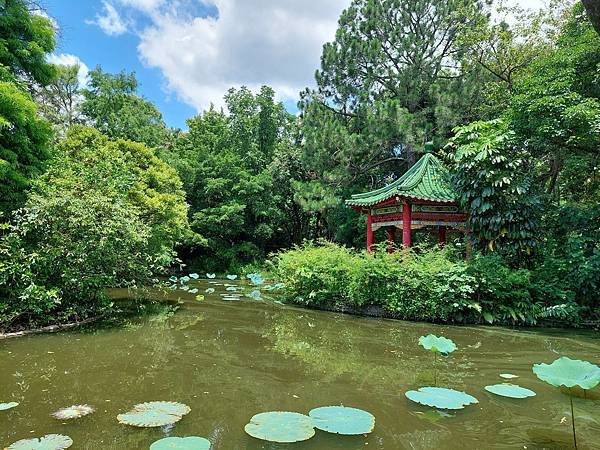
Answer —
187 53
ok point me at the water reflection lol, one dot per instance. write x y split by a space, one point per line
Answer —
229 360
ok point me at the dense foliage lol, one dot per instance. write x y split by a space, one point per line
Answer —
76 236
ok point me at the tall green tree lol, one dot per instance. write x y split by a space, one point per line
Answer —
113 106
25 41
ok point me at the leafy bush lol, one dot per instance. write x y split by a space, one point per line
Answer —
424 284
105 214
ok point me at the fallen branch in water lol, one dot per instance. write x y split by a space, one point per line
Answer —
50 328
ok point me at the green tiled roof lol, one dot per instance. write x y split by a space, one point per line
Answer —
426 180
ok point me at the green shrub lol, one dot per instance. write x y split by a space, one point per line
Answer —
423 284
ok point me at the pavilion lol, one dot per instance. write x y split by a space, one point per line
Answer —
422 197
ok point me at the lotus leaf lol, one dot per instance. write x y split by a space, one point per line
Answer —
48 442
5 406
193 291
154 414
508 376
255 295
342 420
255 278
185 288
184 279
181 443
210 290
437 344
231 288
231 277
195 276
441 398
200 298
73 412
280 426
569 373
173 279
210 275
509 390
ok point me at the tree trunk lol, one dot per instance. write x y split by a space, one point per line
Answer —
592 8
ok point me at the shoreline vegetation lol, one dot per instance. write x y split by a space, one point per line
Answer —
98 192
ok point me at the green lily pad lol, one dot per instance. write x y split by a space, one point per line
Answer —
154 414
173 279
280 426
10 405
508 376
210 290
441 398
509 390
342 420
73 412
437 344
231 277
181 443
569 373
195 276
210 275
48 442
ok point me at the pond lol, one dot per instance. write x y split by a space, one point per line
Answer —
229 360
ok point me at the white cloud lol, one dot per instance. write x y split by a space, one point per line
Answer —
66 59
273 42
110 20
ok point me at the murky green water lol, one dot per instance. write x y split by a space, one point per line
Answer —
228 360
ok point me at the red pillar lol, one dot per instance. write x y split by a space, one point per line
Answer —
391 238
442 235
370 234
406 224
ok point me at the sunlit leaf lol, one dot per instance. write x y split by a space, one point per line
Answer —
342 420
509 390
569 372
200 298
181 443
73 412
48 442
441 398
280 426
10 405
437 344
154 414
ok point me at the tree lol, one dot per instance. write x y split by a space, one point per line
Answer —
235 169
25 40
592 8
60 100
112 105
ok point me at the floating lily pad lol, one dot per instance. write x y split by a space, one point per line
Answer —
437 344
193 291
255 278
200 298
184 279
48 442
173 279
569 373
510 390
255 295
154 414
441 398
342 420
210 275
181 443
231 288
73 412
231 277
210 290
195 276
280 426
508 376
10 405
